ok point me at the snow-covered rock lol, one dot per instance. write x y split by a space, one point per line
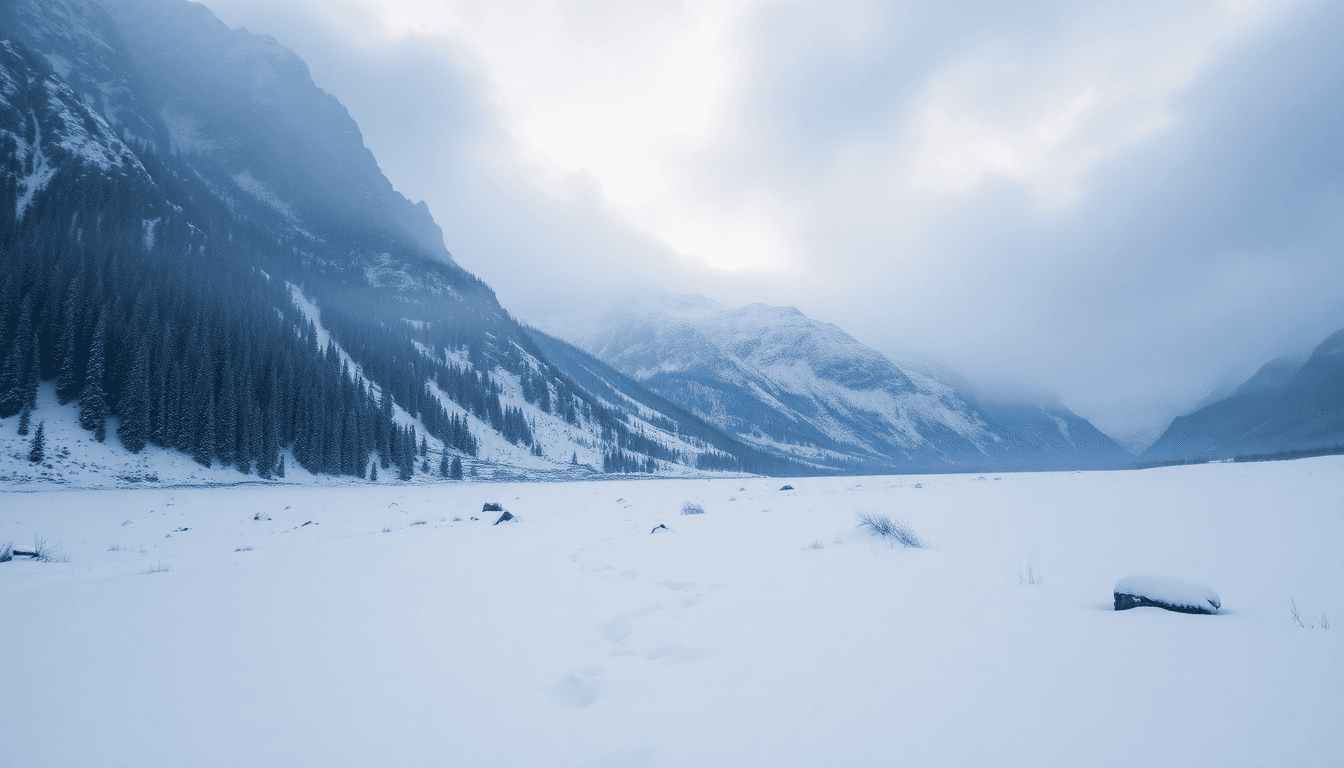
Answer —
1169 592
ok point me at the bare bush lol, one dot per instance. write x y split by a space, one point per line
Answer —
6 552
691 508
894 531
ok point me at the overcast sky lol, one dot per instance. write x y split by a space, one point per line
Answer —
1128 204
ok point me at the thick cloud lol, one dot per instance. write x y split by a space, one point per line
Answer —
1127 204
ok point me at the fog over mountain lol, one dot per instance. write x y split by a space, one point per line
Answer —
1129 206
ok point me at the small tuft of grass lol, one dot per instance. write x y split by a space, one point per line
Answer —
815 545
159 567
386 529
114 548
457 519
691 508
6 552
1323 621
243 549
894 531
1029 575
418 522
46 552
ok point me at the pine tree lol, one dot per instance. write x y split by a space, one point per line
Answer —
134 411
205 429
11 381
226 415
33 376
443 466
455 471
15 378
39 450
67 378
25 419
574 459
373 472
92 399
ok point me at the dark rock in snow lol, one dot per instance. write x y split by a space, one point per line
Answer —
503 517
1169 593
787 488
659 527
258 516
493 506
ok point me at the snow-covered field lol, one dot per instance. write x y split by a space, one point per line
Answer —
769 631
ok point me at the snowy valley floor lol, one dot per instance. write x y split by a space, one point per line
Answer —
769 631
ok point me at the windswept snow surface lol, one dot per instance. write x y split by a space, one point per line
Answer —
769 631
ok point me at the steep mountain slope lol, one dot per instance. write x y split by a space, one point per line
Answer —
195 242
801 388
1289 404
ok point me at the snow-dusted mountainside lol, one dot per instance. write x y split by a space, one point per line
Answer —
1289 404
240 107
806 389
198 254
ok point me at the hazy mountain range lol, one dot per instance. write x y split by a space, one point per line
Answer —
1289 404
776 379
200 255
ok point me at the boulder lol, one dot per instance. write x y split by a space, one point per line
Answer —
661 527
787 488
503 517
1167 592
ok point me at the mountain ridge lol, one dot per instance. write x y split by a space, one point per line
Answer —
777 379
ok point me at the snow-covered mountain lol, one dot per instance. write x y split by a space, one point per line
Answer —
806 389
198 254
1289 404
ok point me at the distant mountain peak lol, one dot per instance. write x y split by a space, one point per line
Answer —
806 389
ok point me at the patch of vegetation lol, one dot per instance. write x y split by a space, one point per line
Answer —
894 531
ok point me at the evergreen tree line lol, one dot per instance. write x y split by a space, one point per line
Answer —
170 331
618 461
